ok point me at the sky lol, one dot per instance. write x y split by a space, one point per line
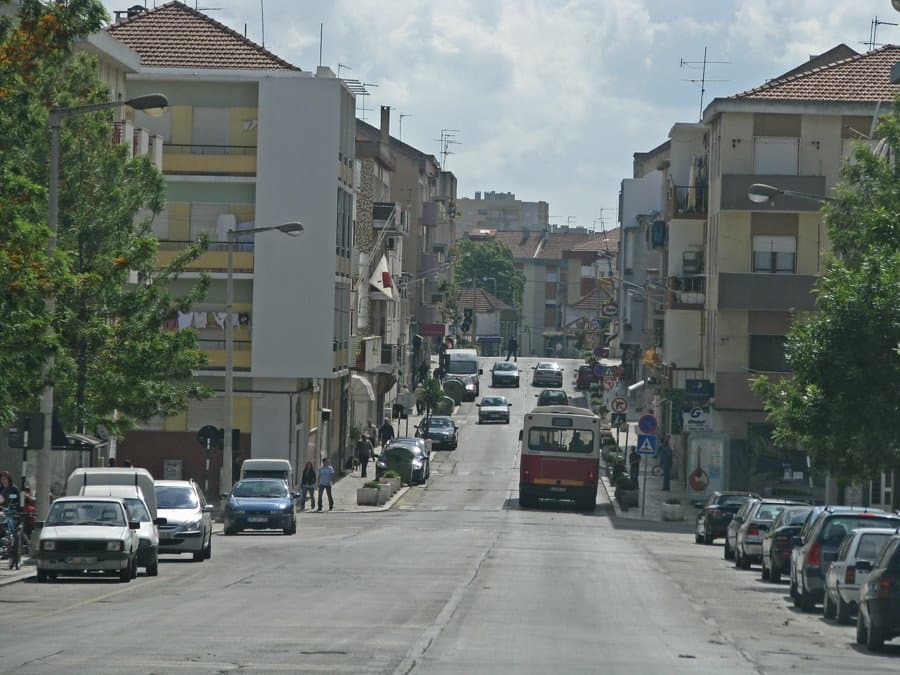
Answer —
550 99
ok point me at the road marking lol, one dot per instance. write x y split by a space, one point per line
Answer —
99 598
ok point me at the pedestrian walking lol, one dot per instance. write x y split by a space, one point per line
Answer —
308 484
386 432
512 349
423 371
634 464
363 453
665 462
371 432
326 474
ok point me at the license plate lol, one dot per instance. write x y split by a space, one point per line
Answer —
79 559
557 489
165 535
257 519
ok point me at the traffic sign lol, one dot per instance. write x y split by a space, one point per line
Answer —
619 404
598 370
595 325
609 310
646 444
647 424
598 351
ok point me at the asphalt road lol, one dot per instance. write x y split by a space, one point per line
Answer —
454 579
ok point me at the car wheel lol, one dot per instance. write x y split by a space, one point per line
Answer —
842 612
807 604
874 637
736 556
697 538
765 573
827 607
229 531
795 594
727 553
125 574
42 576
861 635
197 556
707 536
207 552
527 501
153 568
774 574
745 562
134 567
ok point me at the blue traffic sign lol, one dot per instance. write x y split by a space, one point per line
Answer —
647 424
646 444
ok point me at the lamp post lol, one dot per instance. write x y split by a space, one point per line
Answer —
148 102
760 193
291 229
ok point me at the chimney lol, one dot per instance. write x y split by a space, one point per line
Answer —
386 124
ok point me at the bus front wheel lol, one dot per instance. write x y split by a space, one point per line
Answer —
527 501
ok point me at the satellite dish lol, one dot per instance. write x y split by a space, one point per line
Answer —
896 4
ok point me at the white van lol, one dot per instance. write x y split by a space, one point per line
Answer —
463 364
268 468
135 477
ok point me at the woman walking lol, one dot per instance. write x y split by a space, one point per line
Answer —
308 484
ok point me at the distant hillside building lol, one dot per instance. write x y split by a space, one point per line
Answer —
500 211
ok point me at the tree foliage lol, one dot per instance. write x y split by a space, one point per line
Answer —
485 261
842 404
106 332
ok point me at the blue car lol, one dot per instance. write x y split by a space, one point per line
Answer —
260 504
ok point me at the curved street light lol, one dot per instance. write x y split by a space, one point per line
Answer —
760 193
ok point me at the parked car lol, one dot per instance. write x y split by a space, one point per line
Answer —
139 512
406 459
819 549
552 397
505 374
714 516
441 430
421 443
760 516
188 526
83 535
733 525
493 409
848 573
547 373
879 599
260 504
584 378
776 545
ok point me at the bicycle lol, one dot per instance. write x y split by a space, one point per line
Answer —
12 544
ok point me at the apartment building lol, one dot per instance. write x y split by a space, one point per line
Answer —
251 141
501 211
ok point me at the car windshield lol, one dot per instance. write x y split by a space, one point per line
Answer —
504 365
547 366
462 367
398 452
834 531
493 400
438 422
870 545
86 513
554 396
136 510
259 489
768 512
176 497
733 500
796 516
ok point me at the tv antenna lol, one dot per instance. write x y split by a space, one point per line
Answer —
703 79
448 138
400 132
358 88
872 42
341 67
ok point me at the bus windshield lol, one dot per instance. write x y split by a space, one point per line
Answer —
548 439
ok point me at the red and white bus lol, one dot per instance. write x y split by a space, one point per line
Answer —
560 456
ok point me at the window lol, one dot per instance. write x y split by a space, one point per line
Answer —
587 271
767 353
776 156
774 254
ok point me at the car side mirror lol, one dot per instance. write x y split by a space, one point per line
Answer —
208 508
520 434
738 519
39 525
796 541
481 371
223 496
295 495
161 521
134 525
863 566
477 405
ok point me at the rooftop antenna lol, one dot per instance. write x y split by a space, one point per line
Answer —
321 38
872 42
262 21
400 133
359 89
341 67
448 138
703 80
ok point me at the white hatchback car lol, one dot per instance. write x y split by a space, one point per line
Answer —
188 526
843 579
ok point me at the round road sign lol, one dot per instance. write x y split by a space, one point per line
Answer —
647 424
609 310
619 404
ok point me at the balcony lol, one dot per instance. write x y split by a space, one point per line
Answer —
687 201
767 292
215 354
390 217
688 292
214 259
209 160
735 186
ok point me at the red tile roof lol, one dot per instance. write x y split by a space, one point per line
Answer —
484 301
522 243
598 297
175 36
862 78
601 242
558 242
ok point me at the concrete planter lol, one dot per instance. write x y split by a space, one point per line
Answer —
672 512
367 496
384 493
393 482
627 498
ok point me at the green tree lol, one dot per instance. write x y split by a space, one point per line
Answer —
486 260
842 403
110 350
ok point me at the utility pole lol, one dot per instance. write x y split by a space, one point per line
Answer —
474 313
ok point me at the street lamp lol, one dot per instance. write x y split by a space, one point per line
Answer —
152 104
293 230
760 193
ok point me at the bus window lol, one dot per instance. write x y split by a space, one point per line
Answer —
541 439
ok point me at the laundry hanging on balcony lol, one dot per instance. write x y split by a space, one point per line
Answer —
381 278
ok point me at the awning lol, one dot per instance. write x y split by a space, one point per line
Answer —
361 389
490 339
381 278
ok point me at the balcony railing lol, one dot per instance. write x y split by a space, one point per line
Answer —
687 291
188 158
689 201
214 259
215 353
195 149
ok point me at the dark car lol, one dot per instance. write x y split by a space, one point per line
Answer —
552 397
505 374
584 378
441 430
547 373
776 545
493 409
879 599
716 513
820 548
260 504
419 442
407 459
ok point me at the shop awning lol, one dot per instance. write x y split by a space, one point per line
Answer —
361 389
490 339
